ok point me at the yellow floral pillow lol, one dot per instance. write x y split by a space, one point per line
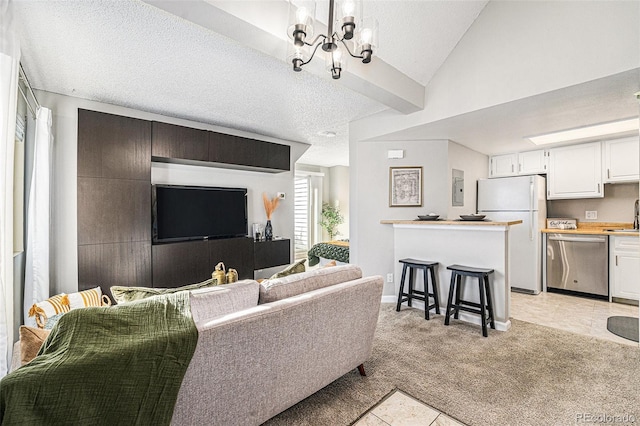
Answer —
91 297
47 308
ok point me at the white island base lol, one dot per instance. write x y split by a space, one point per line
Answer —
476 244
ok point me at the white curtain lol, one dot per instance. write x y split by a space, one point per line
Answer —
9 62
36 279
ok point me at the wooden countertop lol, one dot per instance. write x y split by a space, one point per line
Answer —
596 228
450 222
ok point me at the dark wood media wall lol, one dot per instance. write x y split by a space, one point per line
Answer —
114 202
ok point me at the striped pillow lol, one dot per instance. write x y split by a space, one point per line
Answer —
47 308
91 297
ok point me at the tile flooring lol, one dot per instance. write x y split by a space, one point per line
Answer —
570 313
400 409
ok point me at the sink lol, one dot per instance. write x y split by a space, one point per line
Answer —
623 230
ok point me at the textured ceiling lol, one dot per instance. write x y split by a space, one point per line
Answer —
132 54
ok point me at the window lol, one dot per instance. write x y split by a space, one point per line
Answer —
18 187
301 217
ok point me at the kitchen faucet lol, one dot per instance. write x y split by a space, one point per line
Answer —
636 225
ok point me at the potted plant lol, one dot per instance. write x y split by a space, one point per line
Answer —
331 219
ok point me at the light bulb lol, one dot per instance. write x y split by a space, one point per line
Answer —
366 35
301 15
348 7
337 56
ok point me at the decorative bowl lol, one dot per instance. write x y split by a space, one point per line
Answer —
430 216
472 216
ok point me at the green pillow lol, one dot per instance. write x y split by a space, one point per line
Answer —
123 294
294 268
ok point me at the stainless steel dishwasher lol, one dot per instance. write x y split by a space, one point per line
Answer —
579 263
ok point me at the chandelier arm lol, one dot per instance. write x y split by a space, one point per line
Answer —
352 55
316 39
312 54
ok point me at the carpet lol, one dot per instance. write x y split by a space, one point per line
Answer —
529 375
625 327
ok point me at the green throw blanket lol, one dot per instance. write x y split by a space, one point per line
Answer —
106 366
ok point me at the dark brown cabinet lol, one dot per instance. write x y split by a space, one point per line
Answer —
114 203
113 146
113 210
267 254
178 142
114 200
188 262
178 264
106 265
251 153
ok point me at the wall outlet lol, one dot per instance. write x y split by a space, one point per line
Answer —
591 214
281 195
389 278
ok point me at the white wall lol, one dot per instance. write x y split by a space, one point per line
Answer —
475 166
616 206
64 268
517 49
372 243
339 195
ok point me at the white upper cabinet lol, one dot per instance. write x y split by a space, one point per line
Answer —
532 162
523 163
575 172
622 160
503 165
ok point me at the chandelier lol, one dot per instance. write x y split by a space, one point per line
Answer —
357 35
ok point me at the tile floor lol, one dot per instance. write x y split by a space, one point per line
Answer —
571 313
400 409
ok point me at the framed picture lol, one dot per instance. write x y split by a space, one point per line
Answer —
405 186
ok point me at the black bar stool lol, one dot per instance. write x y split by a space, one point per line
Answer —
484 308
413 264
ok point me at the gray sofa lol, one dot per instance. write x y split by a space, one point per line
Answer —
308 330
264 347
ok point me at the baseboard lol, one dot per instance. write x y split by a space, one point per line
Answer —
464 316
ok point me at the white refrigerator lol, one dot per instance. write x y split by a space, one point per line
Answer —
519 198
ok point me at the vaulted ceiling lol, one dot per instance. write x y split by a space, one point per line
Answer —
203 61
224 63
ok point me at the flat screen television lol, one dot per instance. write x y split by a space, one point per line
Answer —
182 213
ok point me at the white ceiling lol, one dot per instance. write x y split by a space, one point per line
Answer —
133 54
503 128
191 59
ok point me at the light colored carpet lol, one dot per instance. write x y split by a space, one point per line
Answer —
530 375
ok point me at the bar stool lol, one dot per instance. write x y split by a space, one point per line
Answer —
484 308
413 264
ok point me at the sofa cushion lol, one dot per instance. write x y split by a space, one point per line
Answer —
211 303
31 340
91 297
292 285
294 268
47 308
122 294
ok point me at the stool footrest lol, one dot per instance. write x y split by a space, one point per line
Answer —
466 309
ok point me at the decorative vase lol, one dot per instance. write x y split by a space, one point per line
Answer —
268 231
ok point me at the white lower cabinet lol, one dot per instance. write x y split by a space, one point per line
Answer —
624 267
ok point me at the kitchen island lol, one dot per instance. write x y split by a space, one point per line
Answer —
481 244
